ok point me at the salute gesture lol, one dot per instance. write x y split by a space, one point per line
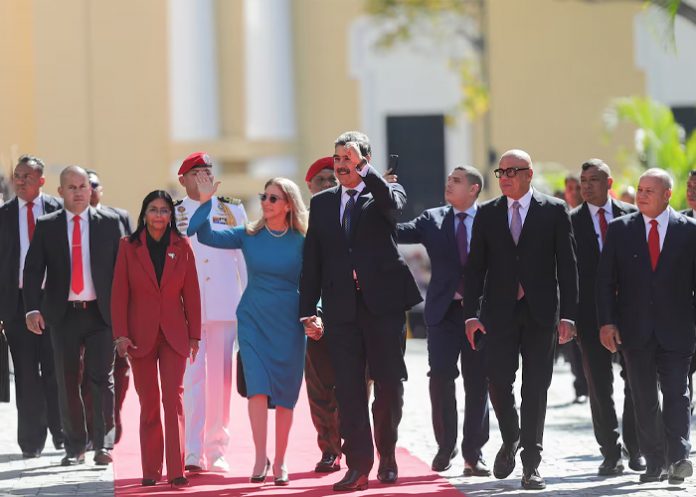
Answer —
207 186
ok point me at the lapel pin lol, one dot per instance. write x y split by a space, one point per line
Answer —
171 255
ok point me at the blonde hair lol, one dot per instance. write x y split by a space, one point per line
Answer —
297 216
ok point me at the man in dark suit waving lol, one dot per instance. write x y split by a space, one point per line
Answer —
446 234
75 248
351 260
522 257
32 356
590 221
645 303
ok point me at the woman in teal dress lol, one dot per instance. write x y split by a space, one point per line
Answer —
271 337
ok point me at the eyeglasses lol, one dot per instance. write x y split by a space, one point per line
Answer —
153 211
270 197
510 172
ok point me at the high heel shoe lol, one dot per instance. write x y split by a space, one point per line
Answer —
282 480
260 478
180 481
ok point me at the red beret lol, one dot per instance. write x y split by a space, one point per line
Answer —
193 160
319 165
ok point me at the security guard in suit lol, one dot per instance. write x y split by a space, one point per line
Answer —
222 278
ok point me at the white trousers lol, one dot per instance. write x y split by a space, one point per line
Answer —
207 394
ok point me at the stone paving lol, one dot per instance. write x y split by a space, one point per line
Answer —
570 454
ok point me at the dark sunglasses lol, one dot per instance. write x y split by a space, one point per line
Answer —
271 198
510 172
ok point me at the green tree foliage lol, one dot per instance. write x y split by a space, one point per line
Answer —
660 140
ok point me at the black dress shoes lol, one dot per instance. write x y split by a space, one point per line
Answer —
73 460
102 457
443 459
148 482
476 468
680 470
637 462
653 474
352 481
611 466
328 464
193 468
180 481
532 480
31 454
58 443
505 460
388 471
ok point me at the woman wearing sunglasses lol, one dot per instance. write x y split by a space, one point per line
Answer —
271 337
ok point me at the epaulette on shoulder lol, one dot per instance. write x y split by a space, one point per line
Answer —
230 200
178 202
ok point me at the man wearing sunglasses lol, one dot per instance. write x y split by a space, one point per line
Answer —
352 262
522 258
222 278
691 212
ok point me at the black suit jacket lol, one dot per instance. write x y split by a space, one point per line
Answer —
543 261
687 213
49 254
10 251
646 304
329 258
434 228
588 259
123 218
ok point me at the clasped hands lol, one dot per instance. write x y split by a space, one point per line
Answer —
124 343
313 327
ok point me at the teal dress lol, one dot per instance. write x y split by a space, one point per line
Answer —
270 335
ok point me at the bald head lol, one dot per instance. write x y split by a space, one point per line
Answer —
74 188
518 156
70 170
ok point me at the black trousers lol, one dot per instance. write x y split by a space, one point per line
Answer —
35 383
121 382
377 341
447 346
646 367
323 406
536 344
85 328
597 362
572 353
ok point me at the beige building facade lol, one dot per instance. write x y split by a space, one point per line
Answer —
131 87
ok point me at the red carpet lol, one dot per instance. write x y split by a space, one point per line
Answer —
415 477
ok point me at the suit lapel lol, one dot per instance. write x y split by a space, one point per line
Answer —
61 223
171 259
531 219
617 210
671 238
143 255
639 240
13 228
502 214
357 211
447 228
587 224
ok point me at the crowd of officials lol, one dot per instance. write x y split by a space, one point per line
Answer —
321 292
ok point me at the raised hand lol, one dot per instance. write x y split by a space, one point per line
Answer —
353 151
206 187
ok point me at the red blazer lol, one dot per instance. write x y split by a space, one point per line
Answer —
140 307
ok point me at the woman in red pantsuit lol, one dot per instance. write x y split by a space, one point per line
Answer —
156 319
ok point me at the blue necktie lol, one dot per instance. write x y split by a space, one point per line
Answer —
463 246
348 212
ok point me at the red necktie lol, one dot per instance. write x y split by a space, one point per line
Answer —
602 223
77 281
654 244
31 224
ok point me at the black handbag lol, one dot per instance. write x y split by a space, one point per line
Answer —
241 382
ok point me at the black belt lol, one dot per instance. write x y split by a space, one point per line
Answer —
81 304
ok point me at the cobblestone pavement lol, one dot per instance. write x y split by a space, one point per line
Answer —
570 453
570 457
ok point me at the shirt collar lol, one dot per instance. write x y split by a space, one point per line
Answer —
662 219
84 216
21 203
524 200
470 212
595 208
359 188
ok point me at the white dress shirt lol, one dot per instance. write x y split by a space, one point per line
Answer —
662 223
608 215
38 211
88 291
524 201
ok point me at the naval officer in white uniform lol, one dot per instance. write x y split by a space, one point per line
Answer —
222 278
